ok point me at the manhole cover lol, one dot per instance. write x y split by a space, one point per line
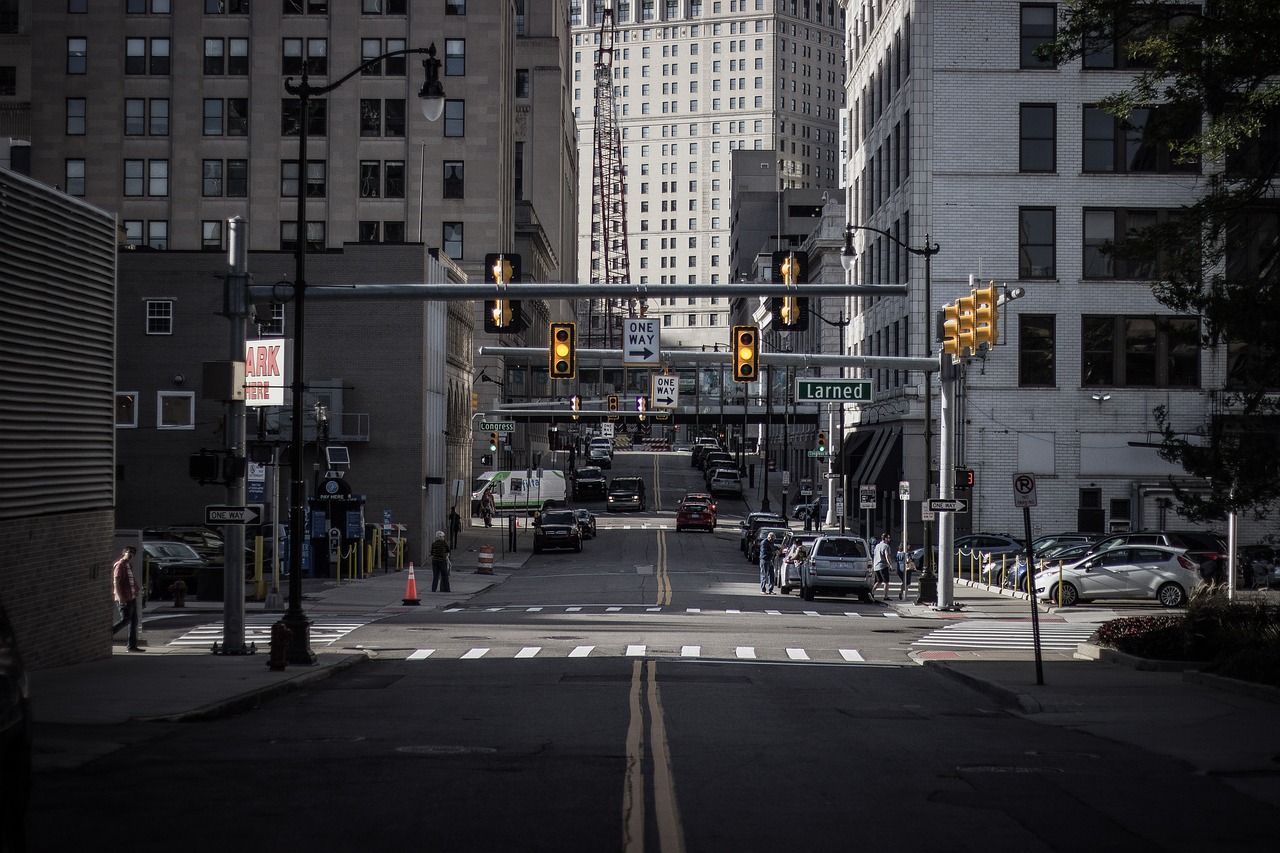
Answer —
445 749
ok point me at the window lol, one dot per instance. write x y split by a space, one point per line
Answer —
455 7
451 236
175 410
211 235
126 409
75 177
1139 144
1036 350
132 232
1036 243
8 80
159 125
383 7
76 108
211 178
214 56
455 57
394 187
368 232
1108 53
1152 352
1102 229
229 178
289 236
159 316
453 185
157 234
1038 27
315 179
212 116
77 55
226 7
272 326
455 117
237 116
522 82
291 117
1037 136
370 179
133 183
157 178
393 231
315 59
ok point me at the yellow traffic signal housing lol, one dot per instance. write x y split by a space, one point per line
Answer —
564 351
493 441
502 316
986 315
822 442
951 330
746 353
965 342
613 406
575 403
642 406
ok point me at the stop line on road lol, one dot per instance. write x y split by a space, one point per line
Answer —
257 629
640 650
648 608
990 634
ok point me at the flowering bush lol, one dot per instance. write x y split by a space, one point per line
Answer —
1160 637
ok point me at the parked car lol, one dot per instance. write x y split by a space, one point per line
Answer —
15 741
1208 550
1151 572
626 493
717 459
557 528
725 482
600 457
975 546
837 564
753 547
1061 540
586 523
791 557
589 482
754 520
804 511
1259 566
695 514
168 562
701 449
210 545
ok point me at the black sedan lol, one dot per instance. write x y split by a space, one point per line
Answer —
586 523
557 528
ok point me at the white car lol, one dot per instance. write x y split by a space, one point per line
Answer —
1148 572
725 482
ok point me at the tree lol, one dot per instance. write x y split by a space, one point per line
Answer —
1214 69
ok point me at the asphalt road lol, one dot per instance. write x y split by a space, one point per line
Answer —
481 728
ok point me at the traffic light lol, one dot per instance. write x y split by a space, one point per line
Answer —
951 330
790 313
965 343
965 478
564 355
822 441
986 315
613 406
493 442
203 467
502 316
746 353
642 406
575 403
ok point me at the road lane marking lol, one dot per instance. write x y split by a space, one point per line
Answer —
421 654
851 655
690 651
612 609
748 652
581 651
636 651
528 651
475 653
797 654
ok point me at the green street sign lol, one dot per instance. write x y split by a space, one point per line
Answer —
817 454
833 390
498 426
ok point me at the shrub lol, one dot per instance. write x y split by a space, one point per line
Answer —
1161 637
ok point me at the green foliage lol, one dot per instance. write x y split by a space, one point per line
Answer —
1220 258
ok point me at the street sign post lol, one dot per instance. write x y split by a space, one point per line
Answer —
1024 490
640 342
665 391
250 514
809 390
949 504
867 496
498 426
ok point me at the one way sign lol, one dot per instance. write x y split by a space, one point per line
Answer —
666 392
640 341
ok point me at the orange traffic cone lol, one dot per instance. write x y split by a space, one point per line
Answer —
411 589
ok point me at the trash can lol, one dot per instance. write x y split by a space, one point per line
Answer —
209 583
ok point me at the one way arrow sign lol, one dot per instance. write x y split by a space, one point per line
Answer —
665 392
640 341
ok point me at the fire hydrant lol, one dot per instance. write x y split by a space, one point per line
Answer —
179 590
279 657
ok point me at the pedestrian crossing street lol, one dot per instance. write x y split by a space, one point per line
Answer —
640 650
325 630
1007 634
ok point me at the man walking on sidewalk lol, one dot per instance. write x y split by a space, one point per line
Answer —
124 589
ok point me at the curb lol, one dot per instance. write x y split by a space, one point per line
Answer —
1264 692
250 699
1011 698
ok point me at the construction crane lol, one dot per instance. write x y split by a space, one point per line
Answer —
610 257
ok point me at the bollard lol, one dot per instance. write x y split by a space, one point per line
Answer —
279 657
179 590
486 560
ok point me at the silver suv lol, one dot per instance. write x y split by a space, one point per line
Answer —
837 564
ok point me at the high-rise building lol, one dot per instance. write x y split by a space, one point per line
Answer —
693 82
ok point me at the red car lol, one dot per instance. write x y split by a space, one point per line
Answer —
701 498
695 514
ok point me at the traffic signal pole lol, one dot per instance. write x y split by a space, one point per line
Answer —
946 484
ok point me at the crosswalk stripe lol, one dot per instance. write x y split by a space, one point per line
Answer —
528 651
746 652
774 612
810 613
635 651
533 610
581 651
853 614
978 634
573 609
421 654
612 609
475 654
690 651
850 655
797 654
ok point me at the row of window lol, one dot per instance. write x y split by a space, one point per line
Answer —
287 7
1115 351
174 409
1109 144
154 234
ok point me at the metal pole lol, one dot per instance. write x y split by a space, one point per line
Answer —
233 534
928 580
294 619
768 413
946 485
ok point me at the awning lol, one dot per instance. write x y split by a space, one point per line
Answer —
873 459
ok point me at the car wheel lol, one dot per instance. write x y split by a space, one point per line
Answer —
1171 595
806 591
785 590
1070 595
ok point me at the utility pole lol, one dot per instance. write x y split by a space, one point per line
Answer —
236 309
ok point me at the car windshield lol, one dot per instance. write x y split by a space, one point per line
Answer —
589 474
841 548
172 549
625 485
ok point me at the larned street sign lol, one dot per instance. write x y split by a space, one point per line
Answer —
833 390
949 504
233 514
498 426
817 454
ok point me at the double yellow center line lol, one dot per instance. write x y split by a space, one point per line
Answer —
660 567
666 811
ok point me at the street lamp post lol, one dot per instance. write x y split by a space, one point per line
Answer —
928 580
432 95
